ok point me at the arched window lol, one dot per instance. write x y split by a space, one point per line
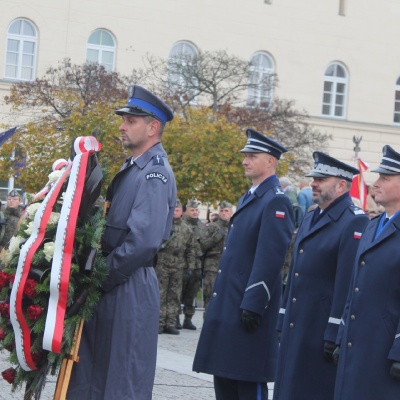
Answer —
180 79
101 49
259 92
396 117
335 91
21 50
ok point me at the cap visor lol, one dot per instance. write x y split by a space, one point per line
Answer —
385 171
314 174
250 150
132 111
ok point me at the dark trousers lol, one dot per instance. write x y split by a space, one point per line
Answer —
229 389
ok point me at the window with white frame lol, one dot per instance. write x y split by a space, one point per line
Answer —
335 91
259 92
396 117
21 51
101 49
179 79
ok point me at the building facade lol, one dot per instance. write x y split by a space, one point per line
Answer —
337 59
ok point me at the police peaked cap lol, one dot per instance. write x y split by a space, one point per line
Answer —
259 143
325 166
142 102
390 164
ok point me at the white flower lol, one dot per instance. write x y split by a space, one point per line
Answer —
54 217
5 257
55 175
29 229
31 210
14 244
49 250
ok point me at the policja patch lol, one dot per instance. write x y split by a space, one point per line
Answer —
156 175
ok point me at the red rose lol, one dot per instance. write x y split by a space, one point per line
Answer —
5 310
9 374
34 312
2 333
29 288
4 280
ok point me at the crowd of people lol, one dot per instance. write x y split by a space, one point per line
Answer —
333 333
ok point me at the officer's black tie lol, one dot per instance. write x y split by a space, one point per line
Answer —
246 196
385 221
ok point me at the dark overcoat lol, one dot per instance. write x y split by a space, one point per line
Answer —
249 277
119 344
314 300
370 336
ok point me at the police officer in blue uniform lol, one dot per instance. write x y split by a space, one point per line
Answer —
238 343
119 344
369 336
319 278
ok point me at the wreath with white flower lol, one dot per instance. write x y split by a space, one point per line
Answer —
29 272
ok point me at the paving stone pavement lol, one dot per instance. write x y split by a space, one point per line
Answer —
174 380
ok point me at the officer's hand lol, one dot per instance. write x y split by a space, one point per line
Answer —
250 320
329 348
395 370
335 355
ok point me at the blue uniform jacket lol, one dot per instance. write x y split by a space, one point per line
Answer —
314 300
369 335
249 277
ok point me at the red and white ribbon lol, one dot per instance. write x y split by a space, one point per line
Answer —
20 325
63 248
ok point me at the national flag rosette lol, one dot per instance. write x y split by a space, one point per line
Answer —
52 271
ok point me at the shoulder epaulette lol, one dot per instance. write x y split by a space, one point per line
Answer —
158 160
356 210
278 190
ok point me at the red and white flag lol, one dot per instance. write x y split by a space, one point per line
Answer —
359 190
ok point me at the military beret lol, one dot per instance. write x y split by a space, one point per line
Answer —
178 203
259 143
142 102
192 203
225 204
14 193
390 164
325 166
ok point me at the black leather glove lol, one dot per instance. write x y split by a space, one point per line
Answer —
250 320
395 370
329 348
335 355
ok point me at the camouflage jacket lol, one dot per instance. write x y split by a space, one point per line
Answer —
213 244
12 216
179 252
200 232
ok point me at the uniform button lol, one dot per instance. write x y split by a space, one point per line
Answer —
301 251
353 317
214 294
219 271
296 275
349 345
362 263
356 289
231 225
291 324
225 248
294 300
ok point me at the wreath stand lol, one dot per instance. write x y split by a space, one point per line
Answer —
66 367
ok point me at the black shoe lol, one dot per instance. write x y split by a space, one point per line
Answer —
160 330
187 324
170 330
178 323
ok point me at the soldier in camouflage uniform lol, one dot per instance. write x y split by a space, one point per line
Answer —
214 244
12 215
192 280
175 256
